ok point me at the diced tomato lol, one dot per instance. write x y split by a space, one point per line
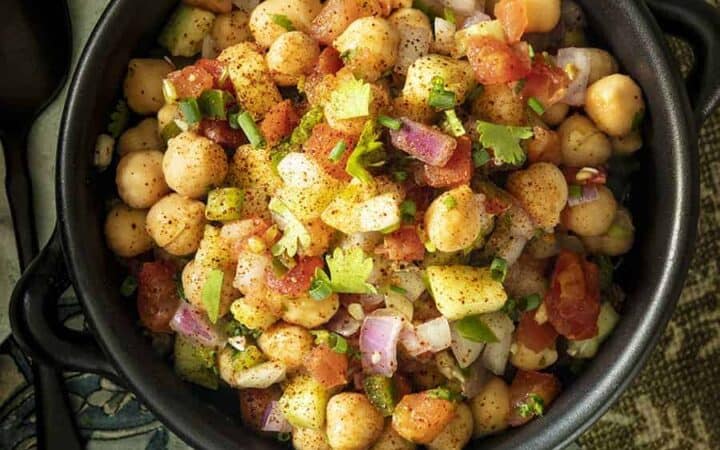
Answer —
254 402
534 336
327 366
216 69
191 81
494 61
512 14
157 298
421 417
573 300
544 146
329 62
322 140
279 122
571 175
403 245
220 132
458 170
297 280
524 386
546 82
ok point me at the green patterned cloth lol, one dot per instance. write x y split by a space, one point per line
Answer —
673 404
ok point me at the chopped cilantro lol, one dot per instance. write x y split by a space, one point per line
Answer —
283 21
504 140
450 202
349 271
480 156
440 98
234 328
408 209
534 405
119 119
320 287
367 143
351 99
294 231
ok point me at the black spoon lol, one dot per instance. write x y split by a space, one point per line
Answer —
35 50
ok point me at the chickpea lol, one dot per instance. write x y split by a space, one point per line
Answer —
262 19
602 64
320 235
617 240
498 103
230 29
491 407
627 145
194 276
455 219
287 344
309 439
542 15
391 440
167 114
144 136
591 218
555 114
309 313
542 191
143 84
526 359
582 143
176 224
353 423
614 103
125 231
457 433
139 178
193 164
371 46
291 56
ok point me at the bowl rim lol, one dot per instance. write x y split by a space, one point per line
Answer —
565 421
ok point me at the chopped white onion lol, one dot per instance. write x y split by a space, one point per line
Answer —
465 350
378 343
250 272
193 323
238 343
273 419
496 354
576 63
436 333
589 193
476 17
343 323
261 376
412 344
411 281
444 36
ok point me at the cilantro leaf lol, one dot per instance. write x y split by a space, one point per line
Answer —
367 143
349 271
351 99
504 140
309 120
294 231
119 119
533 406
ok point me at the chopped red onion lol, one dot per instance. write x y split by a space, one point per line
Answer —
576 61
436 333
465 350
273 419
589 194
343 324
412 344
378 343
476 17
423 142
193 323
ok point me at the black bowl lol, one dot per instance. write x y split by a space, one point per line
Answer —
665 206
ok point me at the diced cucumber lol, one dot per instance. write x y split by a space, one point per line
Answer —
184 33
304 401
461 291
587 348
381 393
195 362
224 204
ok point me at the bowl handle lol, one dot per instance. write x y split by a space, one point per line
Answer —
698 23
33 317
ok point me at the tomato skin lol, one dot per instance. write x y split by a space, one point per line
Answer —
573 300
457 171
322 140
525 383
190 81
220 132
327 366
512 14
545 82
496 62
534 336
157 298
297 280
279 122
403 245
216 69
329 62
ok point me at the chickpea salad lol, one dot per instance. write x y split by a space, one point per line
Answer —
380 224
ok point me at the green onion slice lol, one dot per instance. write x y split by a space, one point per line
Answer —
474 329
190 110
251 130
498 269
440 98
128 286
536 106
389 122
337 152
212 104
